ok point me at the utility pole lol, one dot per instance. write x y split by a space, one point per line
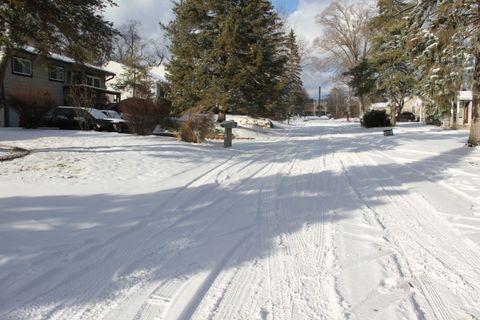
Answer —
319 96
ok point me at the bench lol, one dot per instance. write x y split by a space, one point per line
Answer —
388 132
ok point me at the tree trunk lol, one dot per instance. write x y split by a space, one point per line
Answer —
393 116
474 138
361 105
3 98
221 115
453 106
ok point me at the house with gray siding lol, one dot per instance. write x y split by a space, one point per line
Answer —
56 75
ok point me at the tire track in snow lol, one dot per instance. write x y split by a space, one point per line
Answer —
219 291
428 242
199 230
85 251
231 286
72 275
253 175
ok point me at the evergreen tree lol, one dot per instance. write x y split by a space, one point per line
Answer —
362 79
294 94
225 54
396 72
190 41
445 39
264 45
75 28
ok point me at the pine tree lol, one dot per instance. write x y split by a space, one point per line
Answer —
225 54
75 28
395 78
446 42
294 95
362 79
263 43
189 43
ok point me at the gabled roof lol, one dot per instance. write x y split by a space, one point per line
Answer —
65 59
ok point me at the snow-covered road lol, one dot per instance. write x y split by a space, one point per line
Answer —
320 220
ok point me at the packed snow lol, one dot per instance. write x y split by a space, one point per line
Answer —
314 220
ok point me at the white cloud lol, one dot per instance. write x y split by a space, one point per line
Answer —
302 21
148 12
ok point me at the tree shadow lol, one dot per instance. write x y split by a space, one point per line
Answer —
109 244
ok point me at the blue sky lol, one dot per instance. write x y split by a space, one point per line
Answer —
288 6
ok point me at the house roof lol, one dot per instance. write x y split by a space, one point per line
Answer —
465 95
157 73
65 59
380 105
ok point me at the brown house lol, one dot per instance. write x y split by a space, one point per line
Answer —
55 74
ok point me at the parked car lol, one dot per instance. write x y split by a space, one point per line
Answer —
66 117
119 124
433 120
325 115
406 117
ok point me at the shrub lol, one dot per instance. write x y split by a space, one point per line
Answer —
144 115
197 126
31 106
375 118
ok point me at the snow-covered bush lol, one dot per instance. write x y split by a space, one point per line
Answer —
197 126
375 118
31 106
260 123
144 115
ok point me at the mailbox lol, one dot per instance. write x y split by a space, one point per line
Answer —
227 138
228 124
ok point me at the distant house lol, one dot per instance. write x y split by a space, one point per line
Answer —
56 74
415 105
385 106
463 108
156 74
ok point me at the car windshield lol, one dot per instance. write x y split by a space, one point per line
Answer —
97 114
111 114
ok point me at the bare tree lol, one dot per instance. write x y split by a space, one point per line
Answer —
84 98
345 37
129 44
138 55
337 103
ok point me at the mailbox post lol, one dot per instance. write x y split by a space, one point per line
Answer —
227 137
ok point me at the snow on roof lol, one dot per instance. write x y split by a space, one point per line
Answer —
465 95
157 73
380 105
62 58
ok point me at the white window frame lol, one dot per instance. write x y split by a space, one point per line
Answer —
92 80
23 62
58 71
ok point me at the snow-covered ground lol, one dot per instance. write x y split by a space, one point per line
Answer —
317 220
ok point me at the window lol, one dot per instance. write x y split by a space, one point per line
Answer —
56 73
22 66
93 81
